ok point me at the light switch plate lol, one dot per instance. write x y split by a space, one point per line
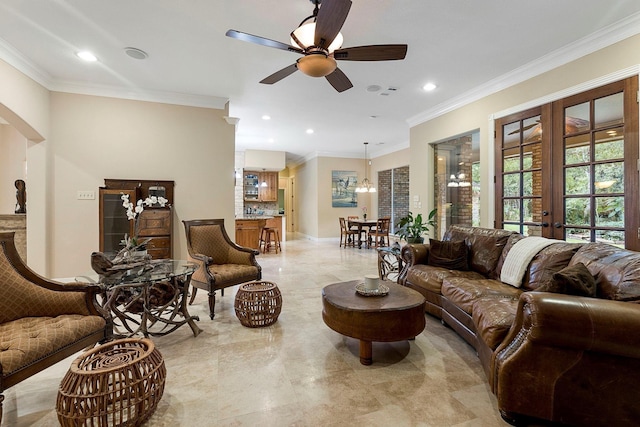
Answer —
86 195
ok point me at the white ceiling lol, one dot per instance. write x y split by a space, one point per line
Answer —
466 47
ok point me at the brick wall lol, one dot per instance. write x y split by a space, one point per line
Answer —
393 194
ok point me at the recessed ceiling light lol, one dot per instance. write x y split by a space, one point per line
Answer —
266 117
86 56
309 131
429 87
373 88
271 140
136 53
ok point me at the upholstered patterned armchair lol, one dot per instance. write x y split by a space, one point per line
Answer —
41 321
221 262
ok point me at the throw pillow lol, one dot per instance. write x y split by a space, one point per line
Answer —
572 280
449 255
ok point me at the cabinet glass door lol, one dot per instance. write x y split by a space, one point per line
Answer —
113 219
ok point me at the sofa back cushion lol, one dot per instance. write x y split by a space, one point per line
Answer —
448 254
616 270
547 262
485 246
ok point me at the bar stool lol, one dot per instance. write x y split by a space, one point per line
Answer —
267 236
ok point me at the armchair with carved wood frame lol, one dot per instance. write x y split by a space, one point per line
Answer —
42 321
221 262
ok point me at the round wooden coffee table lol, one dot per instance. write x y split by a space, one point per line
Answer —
397 316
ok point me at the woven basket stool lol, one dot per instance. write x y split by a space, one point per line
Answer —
258 304
115 384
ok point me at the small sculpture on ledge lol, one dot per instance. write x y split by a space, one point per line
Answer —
21 197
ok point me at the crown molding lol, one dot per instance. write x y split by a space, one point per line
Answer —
18 61
137 94
614 33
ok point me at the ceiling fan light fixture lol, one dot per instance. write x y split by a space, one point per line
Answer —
317 64
306 34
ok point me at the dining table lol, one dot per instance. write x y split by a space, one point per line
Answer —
364 226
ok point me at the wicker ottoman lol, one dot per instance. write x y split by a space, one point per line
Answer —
115 384
258 304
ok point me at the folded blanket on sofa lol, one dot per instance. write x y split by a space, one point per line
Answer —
519 257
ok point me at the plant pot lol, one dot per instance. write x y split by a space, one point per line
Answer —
415 239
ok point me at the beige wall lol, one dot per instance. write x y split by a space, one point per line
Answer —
96 138
13 160
24 104
316 217
610 61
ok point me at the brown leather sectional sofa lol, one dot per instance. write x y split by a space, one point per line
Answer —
548 356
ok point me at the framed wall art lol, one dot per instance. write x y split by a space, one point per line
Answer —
343 189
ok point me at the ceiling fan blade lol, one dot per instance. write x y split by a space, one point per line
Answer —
279 75
330 19
246 37
379 52
339 80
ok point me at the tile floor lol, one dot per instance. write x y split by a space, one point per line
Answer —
297 372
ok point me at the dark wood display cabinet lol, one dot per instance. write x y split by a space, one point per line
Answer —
154 223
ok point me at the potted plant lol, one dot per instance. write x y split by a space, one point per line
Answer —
412 228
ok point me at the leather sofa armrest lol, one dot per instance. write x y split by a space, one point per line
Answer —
577 323
412 254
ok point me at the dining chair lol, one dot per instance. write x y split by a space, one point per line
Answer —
347 236
379 236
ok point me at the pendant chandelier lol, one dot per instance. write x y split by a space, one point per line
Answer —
365 186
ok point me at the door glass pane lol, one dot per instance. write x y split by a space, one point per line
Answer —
609 110
577 211
511 185
512 210
578 180
609 144
609 178
577 235
532 230
576 118
527 210
511 135
511 161
527 160
577 150
527 184
610 211
512 227
532 129
612 237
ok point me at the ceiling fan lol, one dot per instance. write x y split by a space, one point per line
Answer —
318 39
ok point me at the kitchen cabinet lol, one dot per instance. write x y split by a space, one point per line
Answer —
248 232
276 223
255 191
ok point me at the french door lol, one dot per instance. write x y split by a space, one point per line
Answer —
569 169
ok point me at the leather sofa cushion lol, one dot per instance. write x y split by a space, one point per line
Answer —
463 292
485 246
616 270
548 261
448 254
493 317
26 340
572 280
430 278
